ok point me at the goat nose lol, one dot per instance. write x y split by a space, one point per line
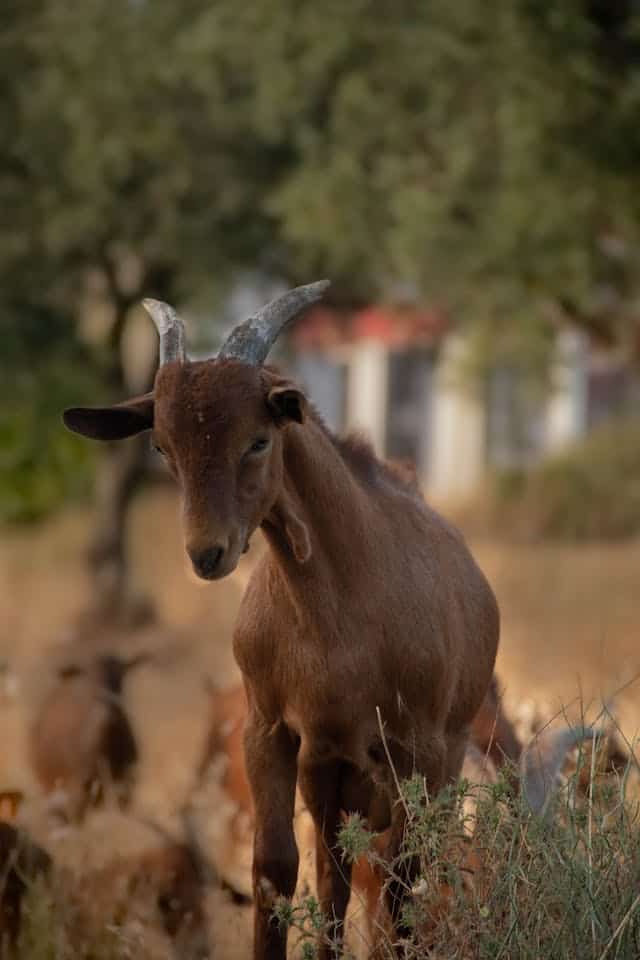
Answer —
206 562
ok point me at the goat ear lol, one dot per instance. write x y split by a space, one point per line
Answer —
287 402
296 532
112 423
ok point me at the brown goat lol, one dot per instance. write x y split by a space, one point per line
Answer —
227 717
21 862
224 745
367 616
492 735
81 742
165 883
494 747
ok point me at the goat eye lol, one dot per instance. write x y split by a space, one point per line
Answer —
158 449
258 445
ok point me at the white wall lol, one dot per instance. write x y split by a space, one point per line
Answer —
324 382
566 417
367 391
457 461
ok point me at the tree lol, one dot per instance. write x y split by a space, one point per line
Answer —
119 185
486 154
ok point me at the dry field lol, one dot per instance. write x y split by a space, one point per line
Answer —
570 638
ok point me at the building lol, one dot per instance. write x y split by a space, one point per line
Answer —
396 375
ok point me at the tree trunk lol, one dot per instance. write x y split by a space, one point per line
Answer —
120 472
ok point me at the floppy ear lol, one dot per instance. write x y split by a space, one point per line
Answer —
111 423
287 402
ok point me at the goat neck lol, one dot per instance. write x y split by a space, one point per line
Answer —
321 509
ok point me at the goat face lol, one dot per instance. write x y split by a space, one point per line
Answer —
216 421
179 899
218 424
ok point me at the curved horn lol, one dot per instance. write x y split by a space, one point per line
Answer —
251 341
171 330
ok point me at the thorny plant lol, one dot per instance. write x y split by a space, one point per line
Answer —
513 885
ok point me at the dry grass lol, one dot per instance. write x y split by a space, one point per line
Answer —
569 629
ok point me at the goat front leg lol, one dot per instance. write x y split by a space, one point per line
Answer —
320 786
271 759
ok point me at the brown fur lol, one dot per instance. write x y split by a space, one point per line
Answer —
163 884
492 731
81 742
224 748
491 735
369 873
227 718
386 611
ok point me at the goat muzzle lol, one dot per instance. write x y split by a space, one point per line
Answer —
208 561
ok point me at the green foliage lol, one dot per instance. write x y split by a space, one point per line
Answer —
354 838
304 917
49 930
485 151
43 369
590 492
522 886
41 464
487 154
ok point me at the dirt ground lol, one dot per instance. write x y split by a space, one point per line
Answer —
569 638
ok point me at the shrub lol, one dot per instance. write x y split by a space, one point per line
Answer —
566 885
588 492
41 463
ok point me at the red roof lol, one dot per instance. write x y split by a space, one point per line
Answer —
322 327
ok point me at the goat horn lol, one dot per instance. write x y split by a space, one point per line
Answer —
251 341
171 330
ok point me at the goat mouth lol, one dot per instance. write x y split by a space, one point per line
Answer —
219 574
217 571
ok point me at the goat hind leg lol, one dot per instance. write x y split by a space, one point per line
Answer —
431 759
440 763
